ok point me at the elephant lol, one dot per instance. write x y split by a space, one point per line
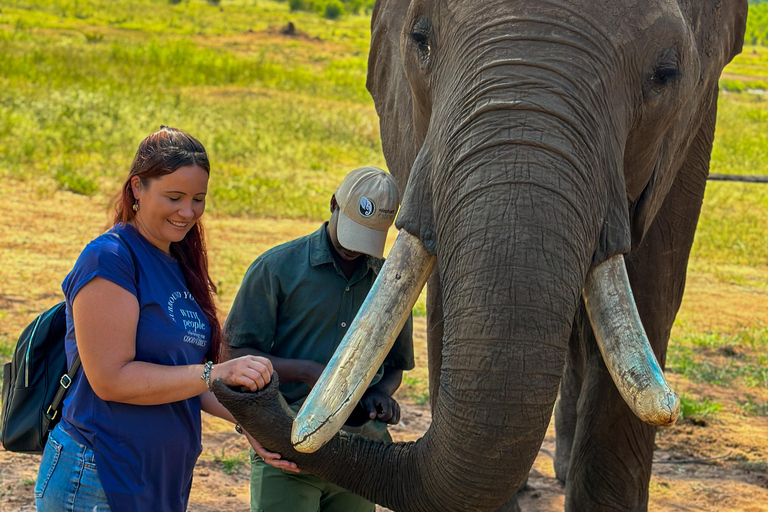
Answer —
552 157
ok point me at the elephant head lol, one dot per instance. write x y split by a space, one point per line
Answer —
540 147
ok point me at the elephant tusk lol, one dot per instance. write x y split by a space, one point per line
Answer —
366 344
624 344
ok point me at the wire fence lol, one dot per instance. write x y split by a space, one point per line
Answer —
736 177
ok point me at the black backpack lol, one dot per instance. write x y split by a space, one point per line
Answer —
36 380
34 383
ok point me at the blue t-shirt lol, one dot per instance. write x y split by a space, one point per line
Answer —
145 455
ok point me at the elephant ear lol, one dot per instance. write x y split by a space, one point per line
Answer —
390 89
719 35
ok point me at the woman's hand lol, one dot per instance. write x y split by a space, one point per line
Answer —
253 372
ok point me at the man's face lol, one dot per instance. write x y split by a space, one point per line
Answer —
343 253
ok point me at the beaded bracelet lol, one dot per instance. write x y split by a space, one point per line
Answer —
206 376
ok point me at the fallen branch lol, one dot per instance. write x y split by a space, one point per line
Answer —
692 461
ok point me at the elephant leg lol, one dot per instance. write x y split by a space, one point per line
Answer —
511 505
613 450
565 408
434 334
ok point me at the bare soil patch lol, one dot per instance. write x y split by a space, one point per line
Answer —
42 232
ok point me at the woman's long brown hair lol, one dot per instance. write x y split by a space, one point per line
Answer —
162 153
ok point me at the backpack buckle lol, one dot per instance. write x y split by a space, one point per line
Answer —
48 413
65 381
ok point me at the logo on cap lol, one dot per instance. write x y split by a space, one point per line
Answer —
366 207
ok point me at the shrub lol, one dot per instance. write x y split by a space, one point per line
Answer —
70 180
732 85
298 5
334 9
697 409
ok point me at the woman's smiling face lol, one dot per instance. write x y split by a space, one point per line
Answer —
170 205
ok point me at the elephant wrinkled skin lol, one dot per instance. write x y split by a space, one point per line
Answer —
532 142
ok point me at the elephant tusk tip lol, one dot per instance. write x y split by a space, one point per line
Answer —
667 413
673 408
306 435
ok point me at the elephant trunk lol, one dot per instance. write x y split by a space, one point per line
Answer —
512 262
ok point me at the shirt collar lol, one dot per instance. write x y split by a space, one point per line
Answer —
320 251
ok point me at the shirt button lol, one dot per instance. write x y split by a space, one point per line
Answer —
347 289
343 324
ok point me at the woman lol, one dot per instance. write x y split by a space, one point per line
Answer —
141 314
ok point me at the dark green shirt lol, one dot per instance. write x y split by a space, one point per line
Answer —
296 303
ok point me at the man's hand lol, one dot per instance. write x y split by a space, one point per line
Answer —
380 406
273 459
311 372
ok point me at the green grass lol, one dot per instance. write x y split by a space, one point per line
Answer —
721 359
283 119
7 347
233 463
697 410
756 465
751 62
420 308
754 406
416 388
757 23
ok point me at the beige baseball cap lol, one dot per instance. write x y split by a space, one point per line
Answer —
368 201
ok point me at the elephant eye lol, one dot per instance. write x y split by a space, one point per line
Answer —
420 35
664 75
421 39
665 71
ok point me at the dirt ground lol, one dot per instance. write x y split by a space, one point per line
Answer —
718 466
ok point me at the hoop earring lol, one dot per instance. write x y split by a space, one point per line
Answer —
136 206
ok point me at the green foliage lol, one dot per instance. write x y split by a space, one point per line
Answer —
753 465
7 346
694 409
721 359
233 463
69 179
282 121
417 389
754 406
333 9
732 85
731 229
299 5
757 24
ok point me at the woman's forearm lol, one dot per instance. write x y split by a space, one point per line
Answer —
141 383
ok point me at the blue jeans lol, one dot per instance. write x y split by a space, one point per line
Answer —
67 480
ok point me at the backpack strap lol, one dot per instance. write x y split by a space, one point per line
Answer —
64 383
66 379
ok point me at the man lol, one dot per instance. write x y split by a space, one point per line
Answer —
295 305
